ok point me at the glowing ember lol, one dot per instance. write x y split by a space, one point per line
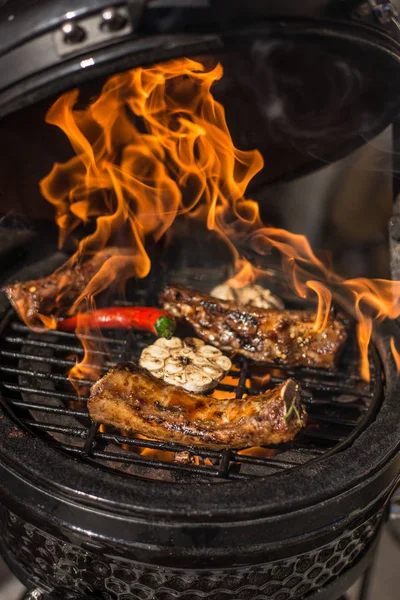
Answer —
155 144
259 452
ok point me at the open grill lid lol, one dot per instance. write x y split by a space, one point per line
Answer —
317 78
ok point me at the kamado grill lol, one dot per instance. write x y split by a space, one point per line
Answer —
88 511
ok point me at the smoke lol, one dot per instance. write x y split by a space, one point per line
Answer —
300 101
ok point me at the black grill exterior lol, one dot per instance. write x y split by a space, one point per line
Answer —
64 565
83 516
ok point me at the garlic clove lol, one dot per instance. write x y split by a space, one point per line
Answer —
261 298
208 367
193 343
176 378
209 351
173 343
224 363
196 380
173 365
158 374
155 352
187 353
150 363
223 292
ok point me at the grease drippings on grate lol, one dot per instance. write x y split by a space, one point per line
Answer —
36 389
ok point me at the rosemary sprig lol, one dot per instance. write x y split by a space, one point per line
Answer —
293 409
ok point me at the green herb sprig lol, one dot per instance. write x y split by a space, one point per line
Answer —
293 409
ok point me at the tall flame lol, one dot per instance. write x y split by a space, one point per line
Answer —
155 144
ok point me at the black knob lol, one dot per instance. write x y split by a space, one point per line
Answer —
73 33
112 20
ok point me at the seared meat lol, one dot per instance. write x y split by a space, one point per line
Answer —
133 400
284 336
55 294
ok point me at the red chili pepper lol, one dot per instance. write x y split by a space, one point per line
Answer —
155 320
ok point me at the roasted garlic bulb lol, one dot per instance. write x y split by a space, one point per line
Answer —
189 363
249 295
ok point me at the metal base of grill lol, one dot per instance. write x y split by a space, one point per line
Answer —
73 572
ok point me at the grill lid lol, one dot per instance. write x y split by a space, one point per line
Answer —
317 78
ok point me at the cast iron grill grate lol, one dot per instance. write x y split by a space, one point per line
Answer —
36 391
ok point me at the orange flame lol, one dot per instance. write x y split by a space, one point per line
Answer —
155 144
324 304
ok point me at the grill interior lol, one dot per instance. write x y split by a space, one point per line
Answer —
36 391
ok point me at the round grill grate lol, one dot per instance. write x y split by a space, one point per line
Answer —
37 392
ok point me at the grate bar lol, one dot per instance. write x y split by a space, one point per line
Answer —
90 440
323 435
322 386
138 460
79 432
47 359
49 409
256 460
20 327
341 373
336 403
51 345
41 375
154 445
334 420
196 451
39 392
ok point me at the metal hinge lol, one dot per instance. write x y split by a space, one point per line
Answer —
81 33
383 10
33 595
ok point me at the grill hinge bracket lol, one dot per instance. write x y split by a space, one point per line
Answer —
383 10
79 34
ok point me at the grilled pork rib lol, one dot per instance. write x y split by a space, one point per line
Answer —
133 400
55 294
284 336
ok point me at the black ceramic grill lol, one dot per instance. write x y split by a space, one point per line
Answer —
89 513
37 391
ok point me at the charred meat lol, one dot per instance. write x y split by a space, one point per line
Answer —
129 398
263 335
54 295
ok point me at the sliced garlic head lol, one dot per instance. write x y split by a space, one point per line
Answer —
189 363
249 295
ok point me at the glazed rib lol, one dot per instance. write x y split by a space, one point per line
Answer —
55 294
129 398
264 335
